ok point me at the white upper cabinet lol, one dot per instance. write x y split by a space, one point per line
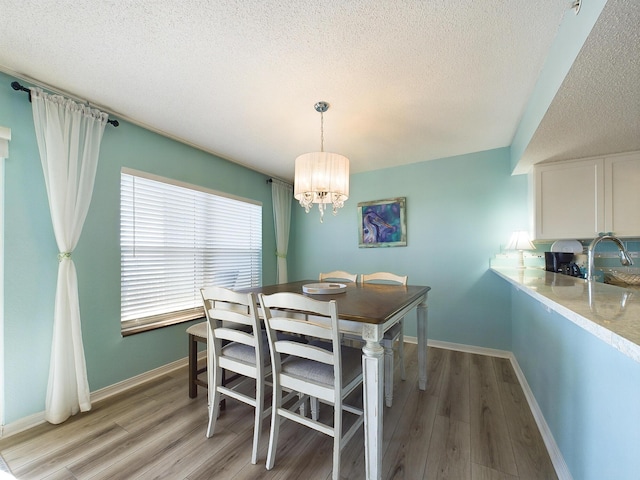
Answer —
581 198
622 195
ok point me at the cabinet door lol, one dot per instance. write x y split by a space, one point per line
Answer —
622 195
569 200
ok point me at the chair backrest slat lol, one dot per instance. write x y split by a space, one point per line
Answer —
300 327
311 352
339 275
230 312
233 335
296 304
384 277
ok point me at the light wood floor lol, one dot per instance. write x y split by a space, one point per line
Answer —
472 422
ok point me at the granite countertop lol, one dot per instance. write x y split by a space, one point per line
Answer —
609 312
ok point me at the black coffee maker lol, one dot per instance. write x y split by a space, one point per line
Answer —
561 262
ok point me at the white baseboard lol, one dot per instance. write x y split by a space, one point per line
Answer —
106 392
120 387
461 347
562 470
22 424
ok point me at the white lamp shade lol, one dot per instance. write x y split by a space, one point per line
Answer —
321 177
520 241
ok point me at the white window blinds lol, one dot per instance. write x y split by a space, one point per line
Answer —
177 238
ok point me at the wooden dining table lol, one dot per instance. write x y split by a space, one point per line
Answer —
368 310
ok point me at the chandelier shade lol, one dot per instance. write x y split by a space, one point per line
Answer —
321 177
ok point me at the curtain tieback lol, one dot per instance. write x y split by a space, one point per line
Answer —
281 255
63 255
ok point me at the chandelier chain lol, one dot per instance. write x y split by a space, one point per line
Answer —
322 131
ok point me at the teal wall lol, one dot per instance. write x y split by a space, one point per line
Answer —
31 255
587 391
460 211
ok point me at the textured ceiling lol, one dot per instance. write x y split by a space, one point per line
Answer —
597 109
407 80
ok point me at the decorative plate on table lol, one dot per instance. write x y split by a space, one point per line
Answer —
567 246
326 288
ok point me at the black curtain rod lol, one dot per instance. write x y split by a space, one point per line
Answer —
270 180
17 87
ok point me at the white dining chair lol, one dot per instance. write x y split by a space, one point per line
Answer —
395 333
321 368
236 343
339 275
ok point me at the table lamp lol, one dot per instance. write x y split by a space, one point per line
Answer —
520 241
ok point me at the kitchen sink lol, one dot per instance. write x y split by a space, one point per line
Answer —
622 276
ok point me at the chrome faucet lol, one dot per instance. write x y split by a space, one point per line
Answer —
625 259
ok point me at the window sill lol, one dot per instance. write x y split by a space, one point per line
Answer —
133 327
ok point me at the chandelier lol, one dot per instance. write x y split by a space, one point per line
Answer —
321 177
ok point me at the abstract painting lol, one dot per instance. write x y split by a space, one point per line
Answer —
382 223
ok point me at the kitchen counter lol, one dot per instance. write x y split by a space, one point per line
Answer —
608 312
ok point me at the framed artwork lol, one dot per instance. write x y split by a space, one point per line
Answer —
382 223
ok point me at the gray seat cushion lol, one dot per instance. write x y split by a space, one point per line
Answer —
321 372
245 353
198 330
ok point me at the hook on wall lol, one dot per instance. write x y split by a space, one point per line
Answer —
576 5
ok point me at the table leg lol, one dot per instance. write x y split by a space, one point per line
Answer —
422 345
193 366
373 373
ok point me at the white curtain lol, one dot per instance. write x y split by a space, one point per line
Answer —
281 195
68 136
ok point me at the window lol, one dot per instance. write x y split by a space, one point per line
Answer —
176 238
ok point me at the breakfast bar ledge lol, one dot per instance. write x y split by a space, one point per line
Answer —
609 312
